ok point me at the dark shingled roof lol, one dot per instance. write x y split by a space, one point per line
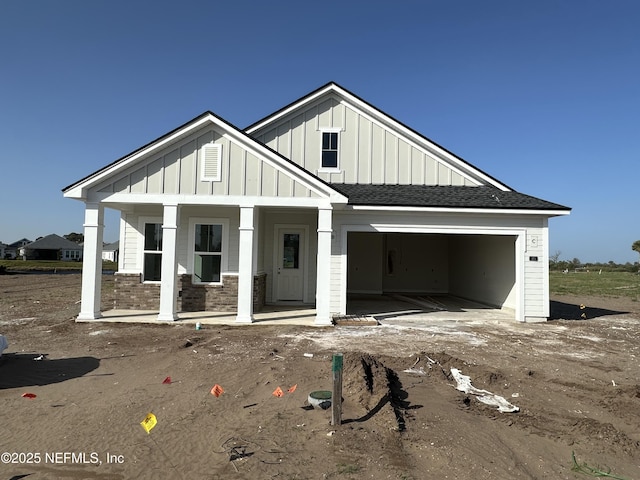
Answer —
441 196
53 242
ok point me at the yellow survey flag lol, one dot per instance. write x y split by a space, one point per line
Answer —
149 422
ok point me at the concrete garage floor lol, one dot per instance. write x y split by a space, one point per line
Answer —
414 310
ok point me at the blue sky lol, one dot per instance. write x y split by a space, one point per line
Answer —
543 95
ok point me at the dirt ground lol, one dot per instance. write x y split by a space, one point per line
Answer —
575 381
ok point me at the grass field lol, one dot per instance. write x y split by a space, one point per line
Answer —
48 265
605 284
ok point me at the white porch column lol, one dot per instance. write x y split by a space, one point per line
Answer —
92 262
245 266
323 282
169 281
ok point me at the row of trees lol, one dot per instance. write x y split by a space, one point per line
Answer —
74 237
556 264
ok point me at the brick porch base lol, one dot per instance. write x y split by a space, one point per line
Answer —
132 294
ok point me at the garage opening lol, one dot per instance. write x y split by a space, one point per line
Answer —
436 268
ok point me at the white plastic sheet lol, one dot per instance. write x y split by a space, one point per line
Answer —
484 396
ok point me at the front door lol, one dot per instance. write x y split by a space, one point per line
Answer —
290 265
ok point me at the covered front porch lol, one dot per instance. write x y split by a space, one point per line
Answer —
251 240
194 202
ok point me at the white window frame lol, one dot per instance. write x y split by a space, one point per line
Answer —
140 260
335 169
203 154
191 248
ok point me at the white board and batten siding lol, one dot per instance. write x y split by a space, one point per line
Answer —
129 234
369 151
536 274
206 163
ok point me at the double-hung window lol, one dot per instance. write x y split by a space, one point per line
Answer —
330 150
152 252
207 262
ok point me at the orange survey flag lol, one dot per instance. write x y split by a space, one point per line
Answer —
278 392
293 389
217 390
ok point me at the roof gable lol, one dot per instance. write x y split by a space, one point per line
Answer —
400 154
19 243
172 164
53 242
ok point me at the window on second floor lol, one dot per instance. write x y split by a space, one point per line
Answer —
329 150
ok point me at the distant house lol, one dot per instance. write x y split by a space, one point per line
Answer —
51 247
11 250
110 251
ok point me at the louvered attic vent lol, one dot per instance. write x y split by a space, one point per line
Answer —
211 162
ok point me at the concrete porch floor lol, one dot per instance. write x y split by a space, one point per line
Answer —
386 309
270 315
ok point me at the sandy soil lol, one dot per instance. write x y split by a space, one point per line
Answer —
574 380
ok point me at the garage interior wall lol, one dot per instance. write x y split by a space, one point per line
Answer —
397 262
364 262
415 263
483 269
476 267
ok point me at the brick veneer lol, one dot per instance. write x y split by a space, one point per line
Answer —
132 294
259 291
